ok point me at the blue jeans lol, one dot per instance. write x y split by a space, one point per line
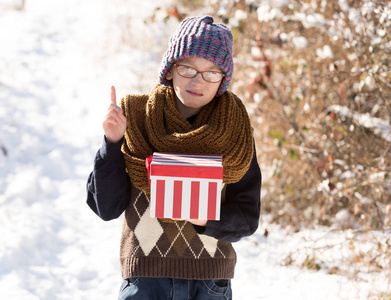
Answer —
145 288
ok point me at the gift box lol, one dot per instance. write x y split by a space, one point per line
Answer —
185 186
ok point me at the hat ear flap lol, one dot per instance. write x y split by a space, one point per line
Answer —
169 74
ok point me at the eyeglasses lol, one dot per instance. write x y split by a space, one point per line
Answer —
189 72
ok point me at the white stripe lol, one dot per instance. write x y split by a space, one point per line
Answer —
203 204
201 160
154 177
186 199
218 200
153 199
190 156
168 198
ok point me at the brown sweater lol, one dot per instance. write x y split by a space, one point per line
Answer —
152 248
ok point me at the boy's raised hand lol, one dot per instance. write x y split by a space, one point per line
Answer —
114 123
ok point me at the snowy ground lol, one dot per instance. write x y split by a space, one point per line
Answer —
58 60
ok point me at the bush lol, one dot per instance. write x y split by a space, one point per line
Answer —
316 78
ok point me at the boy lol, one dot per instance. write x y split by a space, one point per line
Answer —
189 111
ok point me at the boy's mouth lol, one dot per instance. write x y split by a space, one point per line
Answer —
194 93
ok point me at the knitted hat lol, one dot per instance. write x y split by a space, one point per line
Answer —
199 37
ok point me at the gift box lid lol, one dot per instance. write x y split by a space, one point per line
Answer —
185 165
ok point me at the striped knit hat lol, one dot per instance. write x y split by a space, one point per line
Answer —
199 37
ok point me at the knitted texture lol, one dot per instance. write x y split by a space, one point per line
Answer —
199 37
154 124
151 248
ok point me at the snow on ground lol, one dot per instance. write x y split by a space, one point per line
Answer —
58 60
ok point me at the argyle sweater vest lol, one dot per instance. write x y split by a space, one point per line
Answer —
152 248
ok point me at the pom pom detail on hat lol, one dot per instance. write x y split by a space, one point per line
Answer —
200 37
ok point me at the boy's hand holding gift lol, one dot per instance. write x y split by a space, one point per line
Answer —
196 222
114 123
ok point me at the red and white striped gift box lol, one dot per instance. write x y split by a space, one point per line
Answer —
185 186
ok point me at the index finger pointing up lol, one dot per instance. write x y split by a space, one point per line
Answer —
113 97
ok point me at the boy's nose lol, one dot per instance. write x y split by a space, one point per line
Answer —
198 79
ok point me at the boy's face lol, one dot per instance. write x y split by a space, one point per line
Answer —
193 93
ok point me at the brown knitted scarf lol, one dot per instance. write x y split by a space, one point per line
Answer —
155 125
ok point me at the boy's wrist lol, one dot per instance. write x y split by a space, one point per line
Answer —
109 151
109 141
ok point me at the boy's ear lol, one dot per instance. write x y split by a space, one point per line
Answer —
169 75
